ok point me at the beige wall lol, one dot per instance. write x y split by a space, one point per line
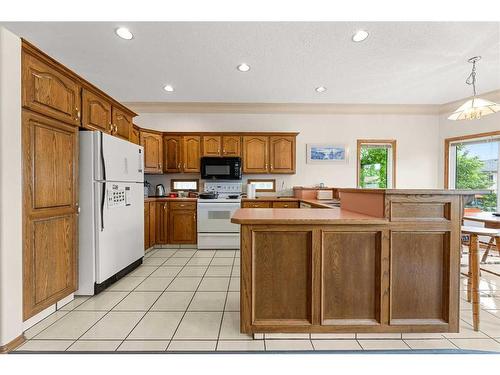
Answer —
417 141
11 292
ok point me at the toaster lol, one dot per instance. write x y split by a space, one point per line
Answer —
324 194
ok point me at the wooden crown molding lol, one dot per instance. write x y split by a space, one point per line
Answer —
283 108
304 108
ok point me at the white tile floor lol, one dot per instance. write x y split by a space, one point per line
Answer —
188 300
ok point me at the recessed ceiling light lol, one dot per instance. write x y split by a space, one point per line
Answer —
168 88
124 33
320 89
360 35
243 67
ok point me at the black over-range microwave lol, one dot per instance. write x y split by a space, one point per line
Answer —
225 168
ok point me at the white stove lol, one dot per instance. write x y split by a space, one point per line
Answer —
215 230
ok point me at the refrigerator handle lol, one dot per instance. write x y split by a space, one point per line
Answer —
103 164
103 200
140 161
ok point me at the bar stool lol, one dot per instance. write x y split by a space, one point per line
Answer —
473 274
496 240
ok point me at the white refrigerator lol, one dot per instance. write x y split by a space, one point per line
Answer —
111 219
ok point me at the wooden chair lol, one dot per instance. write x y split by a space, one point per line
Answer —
494 239
473 273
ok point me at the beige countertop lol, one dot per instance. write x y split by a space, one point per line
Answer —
166 199
302 216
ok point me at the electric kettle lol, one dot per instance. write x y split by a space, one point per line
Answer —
160 190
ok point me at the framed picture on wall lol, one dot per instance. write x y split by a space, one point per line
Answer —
325 153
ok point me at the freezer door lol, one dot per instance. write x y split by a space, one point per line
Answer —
120 227
118 160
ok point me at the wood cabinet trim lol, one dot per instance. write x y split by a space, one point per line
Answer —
37 53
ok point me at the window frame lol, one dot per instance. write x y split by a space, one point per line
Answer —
273 180
448 143
391 142
173 180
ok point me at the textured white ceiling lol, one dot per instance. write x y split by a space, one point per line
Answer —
400 63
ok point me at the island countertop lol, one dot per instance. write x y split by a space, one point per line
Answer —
386 261
293 216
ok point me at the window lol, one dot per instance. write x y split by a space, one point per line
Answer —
472 163
268 185
376 164
184 185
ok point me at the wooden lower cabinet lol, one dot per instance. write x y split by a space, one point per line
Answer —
152 224
50 209
182 223
146 225
161 223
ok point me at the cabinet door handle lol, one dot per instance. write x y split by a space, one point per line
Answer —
271 166
164 206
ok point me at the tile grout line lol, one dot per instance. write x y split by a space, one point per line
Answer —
190 301
225 302
107 312
147 311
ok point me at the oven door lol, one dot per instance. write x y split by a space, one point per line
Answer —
216 217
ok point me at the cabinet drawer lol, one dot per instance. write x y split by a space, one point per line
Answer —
182 205
286 204
256 204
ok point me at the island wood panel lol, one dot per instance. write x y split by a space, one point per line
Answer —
416 211
231 145
96 112
282 277
172 148
50 191
211 145
351 277
282 154
47 90
420 269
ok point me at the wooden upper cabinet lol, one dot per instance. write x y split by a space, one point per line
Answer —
153 152
255 154
191 153
211 145
172 155
282 154
96 112
122 124
135 136
49 91
50 199
231 145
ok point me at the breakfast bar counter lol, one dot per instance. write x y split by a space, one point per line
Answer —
385 261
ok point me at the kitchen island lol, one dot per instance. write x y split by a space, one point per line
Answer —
386 261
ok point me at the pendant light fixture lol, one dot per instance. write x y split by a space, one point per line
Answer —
475 108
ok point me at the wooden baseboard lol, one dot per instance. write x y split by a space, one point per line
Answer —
13 344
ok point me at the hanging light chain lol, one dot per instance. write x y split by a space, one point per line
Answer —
471 79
